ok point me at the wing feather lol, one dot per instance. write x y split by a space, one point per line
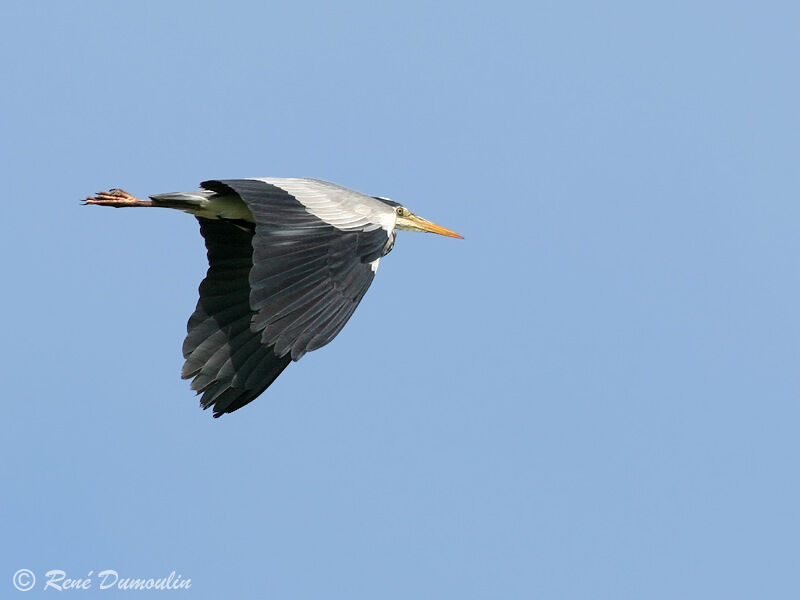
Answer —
308 276
282 288
221 349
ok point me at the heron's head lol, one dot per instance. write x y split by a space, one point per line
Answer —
411 222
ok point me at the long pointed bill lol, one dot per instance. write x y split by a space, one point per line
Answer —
425 225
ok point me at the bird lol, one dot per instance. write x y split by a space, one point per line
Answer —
289 260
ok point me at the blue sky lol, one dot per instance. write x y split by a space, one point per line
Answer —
594 395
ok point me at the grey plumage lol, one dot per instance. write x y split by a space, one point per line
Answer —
285 288
289 262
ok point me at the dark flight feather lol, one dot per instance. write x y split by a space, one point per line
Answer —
273 292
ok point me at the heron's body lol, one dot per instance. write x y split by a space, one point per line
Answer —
289 261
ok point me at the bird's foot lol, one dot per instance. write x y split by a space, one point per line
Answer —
117 198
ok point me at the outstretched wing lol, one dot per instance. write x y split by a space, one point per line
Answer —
308 275
224 355
275 292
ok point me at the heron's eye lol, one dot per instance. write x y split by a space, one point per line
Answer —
399 211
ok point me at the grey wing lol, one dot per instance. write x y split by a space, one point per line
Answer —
225 356
308 276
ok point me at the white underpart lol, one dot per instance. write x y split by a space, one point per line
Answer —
341 207
374 264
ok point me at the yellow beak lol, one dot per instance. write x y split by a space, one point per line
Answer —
425 225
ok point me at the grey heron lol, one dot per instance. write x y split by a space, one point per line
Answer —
289 261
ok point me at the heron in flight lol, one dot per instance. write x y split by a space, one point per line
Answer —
289 261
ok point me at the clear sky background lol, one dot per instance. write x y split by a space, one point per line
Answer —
594 395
